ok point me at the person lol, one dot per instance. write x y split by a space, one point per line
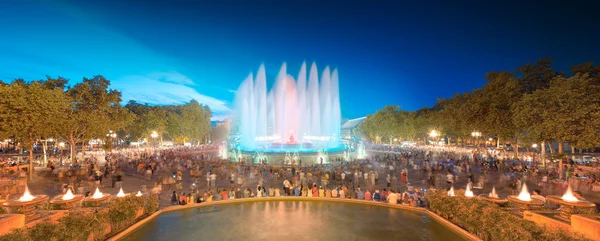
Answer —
315 191
367 195
536 195
449 178
258 191
377 196
238 194
384 194
360 195
183 199
392 197
224 194
174 198
334 193
321 192
286 187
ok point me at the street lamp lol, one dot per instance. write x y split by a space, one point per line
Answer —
154 135
433 134
476 134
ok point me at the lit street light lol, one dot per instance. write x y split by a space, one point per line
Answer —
433 134
476 134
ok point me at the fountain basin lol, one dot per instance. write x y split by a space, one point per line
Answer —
26 207
568 208
61 204
96 202
524 205
498 201
312 219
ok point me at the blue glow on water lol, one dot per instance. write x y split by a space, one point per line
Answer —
299 149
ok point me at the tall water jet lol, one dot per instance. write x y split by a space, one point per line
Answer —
301 115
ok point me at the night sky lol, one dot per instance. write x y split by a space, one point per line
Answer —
387 52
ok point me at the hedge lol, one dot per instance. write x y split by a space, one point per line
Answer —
79 224
489 222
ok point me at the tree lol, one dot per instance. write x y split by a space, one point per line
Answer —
384 123
95 110
148 119
567 111
30 111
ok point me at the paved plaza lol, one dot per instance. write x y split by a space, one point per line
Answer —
44 183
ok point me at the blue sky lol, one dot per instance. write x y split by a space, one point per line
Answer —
387 52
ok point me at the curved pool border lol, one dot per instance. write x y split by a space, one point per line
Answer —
463 233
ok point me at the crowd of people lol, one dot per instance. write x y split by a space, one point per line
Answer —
391 173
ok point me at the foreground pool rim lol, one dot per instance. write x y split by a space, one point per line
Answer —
463 233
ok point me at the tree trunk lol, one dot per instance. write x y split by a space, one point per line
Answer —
544 154
73 144
560 151
516 149
551 149
31 157
45 146
560 147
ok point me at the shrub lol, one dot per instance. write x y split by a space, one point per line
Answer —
80 224
489 222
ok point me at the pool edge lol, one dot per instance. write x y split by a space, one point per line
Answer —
463 233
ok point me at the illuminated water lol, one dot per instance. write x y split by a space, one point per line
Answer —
302 114
293 220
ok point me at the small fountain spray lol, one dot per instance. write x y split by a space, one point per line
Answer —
468 192
524 200
121 193
26 204
569 204
451 192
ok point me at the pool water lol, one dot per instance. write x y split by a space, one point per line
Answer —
292 220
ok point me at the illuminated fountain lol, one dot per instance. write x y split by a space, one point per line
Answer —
524 200
26 204
300 114
322 157
468 192
223 152
121 193
97 199
451 192
493 197
361 153
67 201
569 204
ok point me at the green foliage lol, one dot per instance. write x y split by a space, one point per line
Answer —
80 224
182 123
487 221
533 104
568 110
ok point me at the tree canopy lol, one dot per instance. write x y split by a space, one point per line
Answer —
534 103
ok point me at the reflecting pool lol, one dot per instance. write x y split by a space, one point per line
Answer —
293 220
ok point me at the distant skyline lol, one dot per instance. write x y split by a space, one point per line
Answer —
387 52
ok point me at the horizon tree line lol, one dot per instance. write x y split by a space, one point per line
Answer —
32 112
532 104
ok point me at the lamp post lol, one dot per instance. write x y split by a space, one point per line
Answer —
61 145
476 135
154 135
433 134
